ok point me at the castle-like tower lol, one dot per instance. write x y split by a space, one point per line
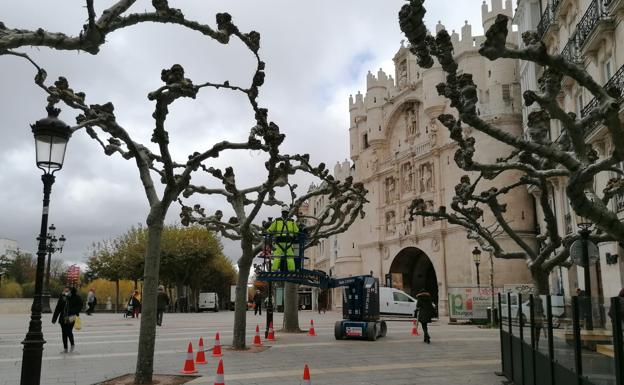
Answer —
401 152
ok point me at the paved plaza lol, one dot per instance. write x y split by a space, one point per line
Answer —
106 347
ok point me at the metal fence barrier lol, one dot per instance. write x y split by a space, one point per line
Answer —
554 341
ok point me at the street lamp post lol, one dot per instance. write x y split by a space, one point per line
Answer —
585 225
476 257
51 248
493 303
51 136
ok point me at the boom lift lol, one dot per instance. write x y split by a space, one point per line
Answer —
360 299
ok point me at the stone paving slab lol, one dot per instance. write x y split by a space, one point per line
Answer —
106 347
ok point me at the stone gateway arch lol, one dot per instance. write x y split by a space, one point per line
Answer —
412 271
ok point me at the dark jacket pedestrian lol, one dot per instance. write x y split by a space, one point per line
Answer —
135 303
67 309
611 310
426 311
162 302
257 299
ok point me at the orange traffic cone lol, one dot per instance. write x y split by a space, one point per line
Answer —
200 359
189 364
220 379
312 332
216 350
414 328
271 336
306 376
257 341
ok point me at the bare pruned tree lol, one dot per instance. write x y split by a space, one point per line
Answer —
534 157
100 123
346 203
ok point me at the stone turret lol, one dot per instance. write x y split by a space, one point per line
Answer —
376 96
488 16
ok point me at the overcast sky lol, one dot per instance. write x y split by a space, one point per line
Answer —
317 53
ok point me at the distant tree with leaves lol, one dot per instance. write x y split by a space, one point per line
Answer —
345 198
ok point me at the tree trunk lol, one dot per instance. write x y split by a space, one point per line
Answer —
240 303
147 334
540 280
291 308
116 295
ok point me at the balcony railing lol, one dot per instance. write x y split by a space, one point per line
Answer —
569 52
545 22
594 14
555 5
613 86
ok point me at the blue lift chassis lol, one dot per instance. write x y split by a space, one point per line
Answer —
360 301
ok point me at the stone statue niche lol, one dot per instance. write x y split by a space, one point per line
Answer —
432 131
408 177
403 80
426 177
411 121
390 222
408 223
390 189
429 208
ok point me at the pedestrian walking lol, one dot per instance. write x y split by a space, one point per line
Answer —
538 319
161 304
257 299
135 303
425 310
66 312
91 301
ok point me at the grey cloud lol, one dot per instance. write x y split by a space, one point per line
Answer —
310 49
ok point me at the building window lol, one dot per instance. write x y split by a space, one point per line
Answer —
365 141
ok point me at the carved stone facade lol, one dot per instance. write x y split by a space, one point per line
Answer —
400 152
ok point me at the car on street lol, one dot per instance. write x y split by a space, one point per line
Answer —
208 301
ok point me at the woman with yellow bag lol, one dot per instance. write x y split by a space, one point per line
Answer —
67 312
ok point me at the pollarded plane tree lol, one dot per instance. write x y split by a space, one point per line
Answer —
535 157
157 164
346 201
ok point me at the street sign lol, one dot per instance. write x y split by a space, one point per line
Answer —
576 252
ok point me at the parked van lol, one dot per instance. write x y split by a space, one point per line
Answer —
208 301
396 302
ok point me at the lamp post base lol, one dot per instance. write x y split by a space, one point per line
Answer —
45 302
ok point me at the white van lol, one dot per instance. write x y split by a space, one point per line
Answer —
396 302
208 301
557 308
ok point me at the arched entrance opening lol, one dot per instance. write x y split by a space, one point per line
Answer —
413 271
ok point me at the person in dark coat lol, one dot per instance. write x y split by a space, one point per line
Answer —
425 309
67 309
135 303
612 313
257 299
161 304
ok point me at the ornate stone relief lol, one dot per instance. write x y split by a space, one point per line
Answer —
435 244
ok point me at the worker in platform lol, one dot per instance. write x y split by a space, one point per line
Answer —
284 231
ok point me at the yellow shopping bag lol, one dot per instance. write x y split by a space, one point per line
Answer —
78 323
